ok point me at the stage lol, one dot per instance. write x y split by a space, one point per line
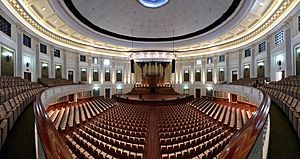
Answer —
152 97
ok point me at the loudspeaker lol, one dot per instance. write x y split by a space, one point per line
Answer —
132 66
173 65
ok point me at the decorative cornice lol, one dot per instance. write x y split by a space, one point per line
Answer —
262 30
19 12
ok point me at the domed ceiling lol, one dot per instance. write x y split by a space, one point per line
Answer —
152 20
106 27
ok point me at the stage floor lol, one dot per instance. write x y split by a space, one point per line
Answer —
152 97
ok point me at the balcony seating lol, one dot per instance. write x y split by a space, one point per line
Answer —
286 93
63 115
16 94
226 114
251 82
52 82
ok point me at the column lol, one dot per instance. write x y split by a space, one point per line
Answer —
77 69
18 56
149 68
227 71
124 73
204 70
215 69
288 47
101 71
253 62
268 57
155 68
51 66
64 69
176 72
113 71
180 73
192 71
240 64
89 69
37 60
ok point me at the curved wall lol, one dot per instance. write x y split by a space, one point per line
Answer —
252 138
235 60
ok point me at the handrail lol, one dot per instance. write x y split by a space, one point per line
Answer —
243 142
239 147
52 143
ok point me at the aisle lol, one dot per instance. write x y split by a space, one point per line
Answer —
284 143
152 146
20 140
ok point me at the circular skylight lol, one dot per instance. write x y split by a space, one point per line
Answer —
153 3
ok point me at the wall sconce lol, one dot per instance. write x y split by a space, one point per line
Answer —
119 87
209 88
96 88
44 65
261 64
27 64
7 55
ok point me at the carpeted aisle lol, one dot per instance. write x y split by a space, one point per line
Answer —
19 143
284 143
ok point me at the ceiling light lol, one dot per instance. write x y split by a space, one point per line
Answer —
249 20
43 8
55 21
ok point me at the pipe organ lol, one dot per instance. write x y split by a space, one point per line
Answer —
153 68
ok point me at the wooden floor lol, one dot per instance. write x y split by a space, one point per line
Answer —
152 147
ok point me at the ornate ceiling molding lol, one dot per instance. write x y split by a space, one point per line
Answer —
277 12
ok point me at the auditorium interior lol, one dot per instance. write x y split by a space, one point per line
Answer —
152 79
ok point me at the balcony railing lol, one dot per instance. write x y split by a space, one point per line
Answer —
248 142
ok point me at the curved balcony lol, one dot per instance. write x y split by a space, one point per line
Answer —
249 142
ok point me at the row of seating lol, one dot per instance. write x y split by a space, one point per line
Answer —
251 82
209 149
289 81
187 133
9 81
64 115
52 82
289 104
197 129
234 117
118 132
14 104
10 92
285 87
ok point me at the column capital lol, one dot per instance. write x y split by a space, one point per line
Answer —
268 38
19 29
288 23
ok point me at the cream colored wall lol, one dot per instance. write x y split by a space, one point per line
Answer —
235 60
